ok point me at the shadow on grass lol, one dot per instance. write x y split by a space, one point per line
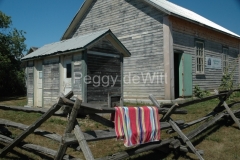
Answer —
19 156
153 155
12 98
208 132
228 122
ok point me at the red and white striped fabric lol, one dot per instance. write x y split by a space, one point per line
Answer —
137 125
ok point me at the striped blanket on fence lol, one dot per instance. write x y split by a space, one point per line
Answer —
137 125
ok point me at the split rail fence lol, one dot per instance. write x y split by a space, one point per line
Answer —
74 135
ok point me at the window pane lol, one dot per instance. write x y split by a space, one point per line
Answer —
69 70
199 57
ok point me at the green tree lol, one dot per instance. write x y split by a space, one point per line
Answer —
12 46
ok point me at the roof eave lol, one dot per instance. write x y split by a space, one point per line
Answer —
76 19
203 25
187 19
106 34
114 40
87 3
55 54
158 7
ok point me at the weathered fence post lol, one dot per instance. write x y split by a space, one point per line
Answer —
83 143
223 101
63 146
31 128
166 117
185 139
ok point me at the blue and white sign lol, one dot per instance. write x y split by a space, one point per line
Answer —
213 63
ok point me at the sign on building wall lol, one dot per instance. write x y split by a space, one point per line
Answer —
214 63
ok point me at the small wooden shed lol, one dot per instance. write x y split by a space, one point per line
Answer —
91 65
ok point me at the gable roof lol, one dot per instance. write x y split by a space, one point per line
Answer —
32 49
165 6
178 11
78 43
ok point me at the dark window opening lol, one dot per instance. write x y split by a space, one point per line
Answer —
69 70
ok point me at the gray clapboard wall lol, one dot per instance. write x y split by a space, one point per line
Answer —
30 83
101 70
51 81
77 74
212 78
104 68
139 27
77 80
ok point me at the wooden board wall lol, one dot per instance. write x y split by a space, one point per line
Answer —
139 27
103 60
103 68
30 83
184 36
77 78
51 81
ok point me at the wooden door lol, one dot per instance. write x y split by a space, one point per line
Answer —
51 80
39 77
30 83
67 80
185 75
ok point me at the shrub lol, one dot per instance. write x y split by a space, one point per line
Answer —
198 92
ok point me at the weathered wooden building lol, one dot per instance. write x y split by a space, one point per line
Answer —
90 65
165 40
173 49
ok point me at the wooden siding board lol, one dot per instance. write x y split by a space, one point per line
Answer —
238 63
184 35
30 84
51 83
103 66
139 27
212 78
77 78
168 57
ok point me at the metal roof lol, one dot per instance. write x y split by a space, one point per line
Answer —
65 45
75 43
173 9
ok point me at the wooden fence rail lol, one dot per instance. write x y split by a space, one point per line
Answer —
74 135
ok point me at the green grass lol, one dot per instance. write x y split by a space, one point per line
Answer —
13 101
57 121
218 142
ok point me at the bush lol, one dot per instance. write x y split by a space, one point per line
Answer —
198 92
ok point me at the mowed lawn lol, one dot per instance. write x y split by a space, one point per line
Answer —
221 141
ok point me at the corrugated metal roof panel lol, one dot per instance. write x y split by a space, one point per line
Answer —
188 14
66 45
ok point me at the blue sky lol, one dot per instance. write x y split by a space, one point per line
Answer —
46 20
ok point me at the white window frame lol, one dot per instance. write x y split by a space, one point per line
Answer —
225 59
200 58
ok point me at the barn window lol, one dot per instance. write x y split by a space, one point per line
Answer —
225 60
199 57
69 70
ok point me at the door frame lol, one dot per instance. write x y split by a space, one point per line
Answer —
177 60
179 72
39 68
67 59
